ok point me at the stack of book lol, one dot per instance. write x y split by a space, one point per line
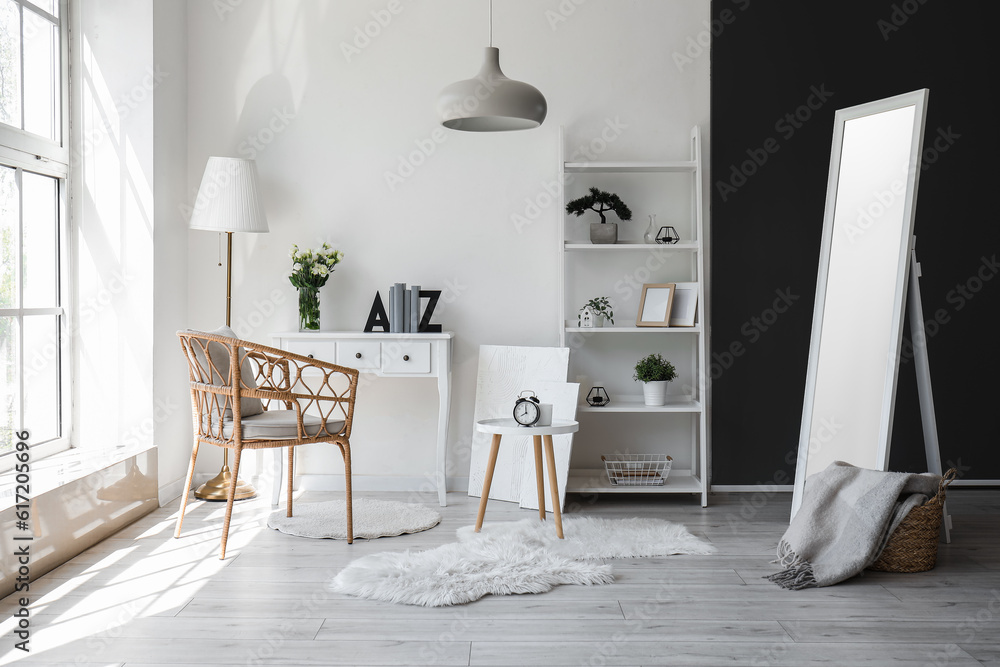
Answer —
404 308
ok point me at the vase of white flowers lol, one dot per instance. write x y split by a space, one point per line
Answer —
310 271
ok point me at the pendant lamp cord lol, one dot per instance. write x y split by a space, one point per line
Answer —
491 23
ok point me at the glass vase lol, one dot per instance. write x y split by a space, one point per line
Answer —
308 309
650 235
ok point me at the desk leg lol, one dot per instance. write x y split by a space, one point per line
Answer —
539 476
444 412
275 476
494 451
550 456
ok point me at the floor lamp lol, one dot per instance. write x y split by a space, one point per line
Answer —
228 201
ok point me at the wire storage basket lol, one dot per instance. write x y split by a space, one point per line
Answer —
637 469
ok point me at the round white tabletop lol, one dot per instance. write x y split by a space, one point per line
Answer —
507 426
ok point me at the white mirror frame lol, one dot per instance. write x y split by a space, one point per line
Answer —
811 432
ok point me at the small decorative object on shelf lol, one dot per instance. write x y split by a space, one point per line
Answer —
600 201
654 372
586 317
600 310
597 397
310 271
638 469
650 235
667 235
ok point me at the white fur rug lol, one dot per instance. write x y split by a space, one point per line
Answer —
372 518
517 557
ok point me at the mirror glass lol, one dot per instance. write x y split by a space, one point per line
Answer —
861 290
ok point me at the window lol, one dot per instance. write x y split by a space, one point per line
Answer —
33 167
30 71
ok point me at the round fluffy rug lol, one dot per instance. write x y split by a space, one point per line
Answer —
372 518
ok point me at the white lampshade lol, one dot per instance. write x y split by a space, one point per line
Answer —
491 102
229 198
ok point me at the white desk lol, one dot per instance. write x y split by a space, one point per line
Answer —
396 355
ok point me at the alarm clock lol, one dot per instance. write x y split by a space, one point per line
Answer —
526 410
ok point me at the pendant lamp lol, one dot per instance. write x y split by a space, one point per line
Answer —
491 102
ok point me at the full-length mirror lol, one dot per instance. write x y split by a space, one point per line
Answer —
861 288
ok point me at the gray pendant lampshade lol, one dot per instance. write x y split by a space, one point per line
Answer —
229 198
491 102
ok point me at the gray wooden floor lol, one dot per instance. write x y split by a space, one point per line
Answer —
143 598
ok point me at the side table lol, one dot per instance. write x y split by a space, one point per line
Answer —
501 427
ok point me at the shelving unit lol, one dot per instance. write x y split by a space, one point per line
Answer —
608 351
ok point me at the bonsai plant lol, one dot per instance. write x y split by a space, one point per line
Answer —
654 372
600 201
601 308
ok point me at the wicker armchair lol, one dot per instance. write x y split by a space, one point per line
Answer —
233 385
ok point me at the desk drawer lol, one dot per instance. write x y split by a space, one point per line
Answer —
412 357
324 350
360 354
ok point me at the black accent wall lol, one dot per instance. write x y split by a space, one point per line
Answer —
780 69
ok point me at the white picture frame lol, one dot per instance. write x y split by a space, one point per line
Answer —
684 309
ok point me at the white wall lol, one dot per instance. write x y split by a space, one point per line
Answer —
329 126
172 396
112 212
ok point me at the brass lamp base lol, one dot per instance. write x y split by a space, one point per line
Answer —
217 488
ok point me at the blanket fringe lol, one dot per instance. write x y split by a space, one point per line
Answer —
798 573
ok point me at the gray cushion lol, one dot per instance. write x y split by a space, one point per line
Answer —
220 358
280 425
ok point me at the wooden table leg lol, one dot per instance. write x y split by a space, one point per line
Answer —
539 476
550 455
494 450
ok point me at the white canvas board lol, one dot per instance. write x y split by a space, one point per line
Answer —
504 372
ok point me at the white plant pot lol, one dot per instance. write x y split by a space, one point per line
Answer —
654 393
599 321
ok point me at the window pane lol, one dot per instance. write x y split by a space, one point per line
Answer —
51 6
39 261
8 237
41 77
8 383
41 377
10 64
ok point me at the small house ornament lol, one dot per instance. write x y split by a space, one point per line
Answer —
587 317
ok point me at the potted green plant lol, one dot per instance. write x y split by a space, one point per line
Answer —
654 372
600 310
601 201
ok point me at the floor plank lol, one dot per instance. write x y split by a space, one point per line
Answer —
145 598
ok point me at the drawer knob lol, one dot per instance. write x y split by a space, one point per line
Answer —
406 357
357 355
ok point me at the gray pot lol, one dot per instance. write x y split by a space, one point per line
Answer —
604 232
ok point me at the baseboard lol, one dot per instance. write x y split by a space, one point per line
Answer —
788 488
751 488
171 491
378 483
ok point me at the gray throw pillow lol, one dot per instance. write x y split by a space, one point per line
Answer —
220 359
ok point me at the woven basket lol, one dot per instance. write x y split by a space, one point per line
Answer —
913 546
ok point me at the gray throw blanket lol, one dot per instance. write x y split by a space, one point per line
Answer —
846 517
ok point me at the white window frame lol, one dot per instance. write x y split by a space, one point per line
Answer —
25 151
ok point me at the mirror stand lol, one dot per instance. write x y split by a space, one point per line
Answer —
932 448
